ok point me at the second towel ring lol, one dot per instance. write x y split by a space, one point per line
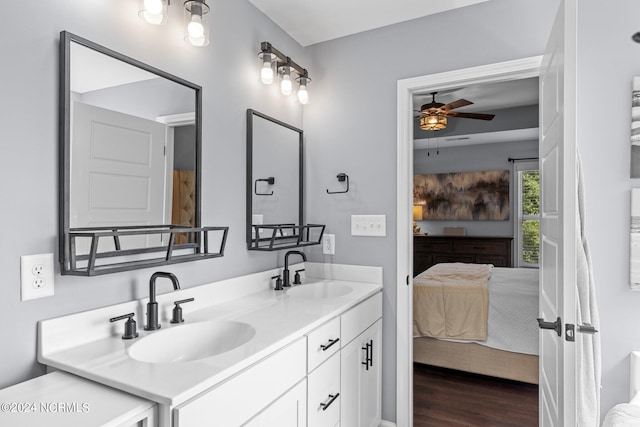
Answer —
342 177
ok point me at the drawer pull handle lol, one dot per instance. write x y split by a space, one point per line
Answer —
332 398
326 347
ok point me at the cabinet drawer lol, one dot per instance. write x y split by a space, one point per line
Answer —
360 317
437 259
323 395
245 394
431 246
496 260
480 247
322 343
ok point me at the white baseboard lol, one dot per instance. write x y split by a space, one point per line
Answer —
385 423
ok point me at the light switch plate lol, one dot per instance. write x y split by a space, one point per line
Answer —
369 225
36 276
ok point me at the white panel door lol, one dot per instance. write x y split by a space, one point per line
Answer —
557 228
117 172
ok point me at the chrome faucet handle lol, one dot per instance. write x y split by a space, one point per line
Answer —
177 310
296 277
130 331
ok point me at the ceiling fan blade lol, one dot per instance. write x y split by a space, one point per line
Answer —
456 104
479 116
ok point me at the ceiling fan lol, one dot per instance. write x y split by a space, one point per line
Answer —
433 116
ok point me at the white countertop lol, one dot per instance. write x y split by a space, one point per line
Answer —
100 354
60 399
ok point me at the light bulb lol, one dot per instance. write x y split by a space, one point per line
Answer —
303 95
154 7
195 27
153 11
286 85
266 73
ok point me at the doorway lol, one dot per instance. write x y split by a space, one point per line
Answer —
505 71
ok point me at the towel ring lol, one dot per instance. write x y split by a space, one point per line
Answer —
271 180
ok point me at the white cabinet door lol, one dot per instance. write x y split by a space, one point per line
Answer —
323 394
247 393
290 410
361 379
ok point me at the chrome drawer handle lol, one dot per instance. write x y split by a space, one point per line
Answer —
332 397
327 346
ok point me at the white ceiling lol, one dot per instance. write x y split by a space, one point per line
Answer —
93 70
314 21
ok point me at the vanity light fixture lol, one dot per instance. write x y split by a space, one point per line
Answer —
286 69
196 18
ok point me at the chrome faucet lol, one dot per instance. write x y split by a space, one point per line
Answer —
285 273
152 305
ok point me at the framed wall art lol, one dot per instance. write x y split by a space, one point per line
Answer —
475 196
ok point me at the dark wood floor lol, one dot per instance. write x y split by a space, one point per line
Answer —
443 397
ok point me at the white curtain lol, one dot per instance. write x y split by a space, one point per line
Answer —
588 392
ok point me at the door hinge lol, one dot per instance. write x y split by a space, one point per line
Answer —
569 332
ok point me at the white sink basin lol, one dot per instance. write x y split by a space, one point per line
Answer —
191 341
319 290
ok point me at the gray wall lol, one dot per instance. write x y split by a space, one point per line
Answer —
473 158
184 148
350 122
506 119
228 72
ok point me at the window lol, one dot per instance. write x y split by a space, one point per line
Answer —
528 214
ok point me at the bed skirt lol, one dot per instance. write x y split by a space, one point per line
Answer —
476 358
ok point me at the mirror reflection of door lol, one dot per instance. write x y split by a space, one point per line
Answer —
118 178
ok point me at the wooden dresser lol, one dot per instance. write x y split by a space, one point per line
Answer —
434 249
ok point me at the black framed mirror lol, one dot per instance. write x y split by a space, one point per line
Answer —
130 163
275 186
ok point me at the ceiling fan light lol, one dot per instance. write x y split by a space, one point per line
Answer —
433 122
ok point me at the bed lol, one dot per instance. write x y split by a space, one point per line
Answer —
510 349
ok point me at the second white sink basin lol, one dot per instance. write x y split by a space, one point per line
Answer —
320 290
191 341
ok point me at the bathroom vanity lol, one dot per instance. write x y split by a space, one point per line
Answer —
309 355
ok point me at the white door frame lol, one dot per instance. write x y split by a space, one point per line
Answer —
503 71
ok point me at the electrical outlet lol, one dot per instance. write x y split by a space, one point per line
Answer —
36 276
329 244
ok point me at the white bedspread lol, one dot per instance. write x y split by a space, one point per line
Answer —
513 309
